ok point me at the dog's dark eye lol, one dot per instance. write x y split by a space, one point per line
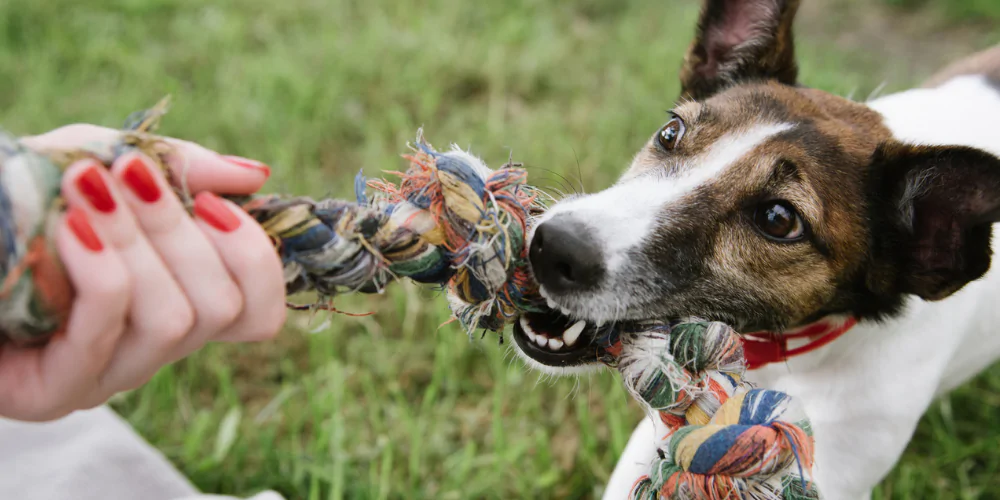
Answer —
671 134
779 220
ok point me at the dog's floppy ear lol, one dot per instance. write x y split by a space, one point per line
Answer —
740 40
932 212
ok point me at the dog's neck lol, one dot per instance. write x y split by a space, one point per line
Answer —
764 348
872 384
962 111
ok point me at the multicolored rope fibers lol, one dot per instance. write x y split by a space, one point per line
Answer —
725 439
450 221
453 222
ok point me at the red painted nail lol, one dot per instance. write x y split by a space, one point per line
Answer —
215 212
77 221
93 188
248 163
139 179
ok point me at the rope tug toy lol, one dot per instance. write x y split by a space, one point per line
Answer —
454 222
725 439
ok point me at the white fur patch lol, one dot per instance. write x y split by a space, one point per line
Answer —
472 160
964 111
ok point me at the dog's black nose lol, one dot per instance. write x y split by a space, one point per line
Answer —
564 258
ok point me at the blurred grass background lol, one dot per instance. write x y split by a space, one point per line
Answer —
394 406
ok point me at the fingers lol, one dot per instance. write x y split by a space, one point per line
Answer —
252 261
44 384
201 168
205 170
187 253
159 316
152 284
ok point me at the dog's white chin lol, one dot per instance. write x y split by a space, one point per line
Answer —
558 371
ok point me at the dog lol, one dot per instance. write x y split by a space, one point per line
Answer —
789 212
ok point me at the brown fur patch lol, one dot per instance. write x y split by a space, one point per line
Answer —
820 166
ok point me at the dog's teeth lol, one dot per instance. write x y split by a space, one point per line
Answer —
552 304
572 333
541 341
555 344
527 329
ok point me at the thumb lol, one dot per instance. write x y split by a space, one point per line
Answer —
200 168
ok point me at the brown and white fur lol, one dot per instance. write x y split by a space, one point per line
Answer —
889 206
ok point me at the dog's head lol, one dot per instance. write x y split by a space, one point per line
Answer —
760 203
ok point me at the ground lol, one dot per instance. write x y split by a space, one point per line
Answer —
395 405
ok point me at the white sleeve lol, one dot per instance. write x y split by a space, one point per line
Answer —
89 455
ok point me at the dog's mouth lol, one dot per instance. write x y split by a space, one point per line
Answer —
556 340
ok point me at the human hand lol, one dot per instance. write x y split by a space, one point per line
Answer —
152 283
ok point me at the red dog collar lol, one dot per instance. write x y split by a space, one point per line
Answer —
762 348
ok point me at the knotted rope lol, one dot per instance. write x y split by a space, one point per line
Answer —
450 221
725 439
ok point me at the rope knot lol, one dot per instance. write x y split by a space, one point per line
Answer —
686 370
478 219
725 439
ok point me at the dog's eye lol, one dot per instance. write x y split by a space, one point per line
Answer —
671 134
779 220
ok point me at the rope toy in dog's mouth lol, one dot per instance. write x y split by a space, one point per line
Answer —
724 439
451 221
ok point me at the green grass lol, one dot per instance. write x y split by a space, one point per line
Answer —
394 406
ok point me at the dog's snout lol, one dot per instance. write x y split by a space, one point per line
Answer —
564 257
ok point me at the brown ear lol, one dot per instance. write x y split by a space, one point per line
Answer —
933 208
740 40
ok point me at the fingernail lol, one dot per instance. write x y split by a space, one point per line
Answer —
93 188
141 181
248 163
215 212
77 221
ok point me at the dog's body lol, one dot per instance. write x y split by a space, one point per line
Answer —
866 392
772 206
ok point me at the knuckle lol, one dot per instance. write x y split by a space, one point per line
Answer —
180 325
260 329
101 348
110 288
172 328
272 325
223 310
260 255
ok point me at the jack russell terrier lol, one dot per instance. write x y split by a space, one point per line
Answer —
861 230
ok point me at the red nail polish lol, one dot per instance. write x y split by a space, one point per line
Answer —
215 212
93 188
247 163
77 221
141 181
